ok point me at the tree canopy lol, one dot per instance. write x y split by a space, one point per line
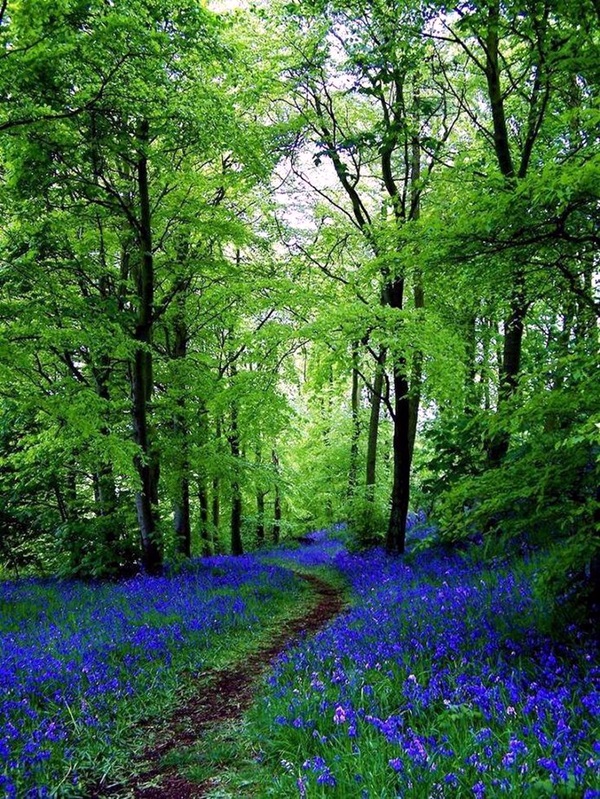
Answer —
270 267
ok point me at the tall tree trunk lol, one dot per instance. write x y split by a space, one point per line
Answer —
396 534
354 401
181 507
510 367
216 497
216 509
513 339
374 426
514 324
260 522
237 547
260 504
236 493
66 496
418 292
277 503
141 376
206 548
181 519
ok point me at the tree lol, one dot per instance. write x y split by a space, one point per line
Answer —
110 190
374 54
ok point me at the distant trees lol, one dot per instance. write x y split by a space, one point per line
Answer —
462 141
366 101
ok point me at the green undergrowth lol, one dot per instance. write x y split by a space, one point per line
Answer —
108 664
229 755
229 758
141 723
327 574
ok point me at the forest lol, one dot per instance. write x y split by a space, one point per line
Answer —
299 308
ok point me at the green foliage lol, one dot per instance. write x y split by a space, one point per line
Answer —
567 576
367 520
544 494
302 158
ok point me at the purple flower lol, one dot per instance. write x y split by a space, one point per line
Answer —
326 778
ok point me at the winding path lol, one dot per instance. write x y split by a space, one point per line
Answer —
224 696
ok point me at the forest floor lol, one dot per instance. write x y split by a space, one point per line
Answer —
219 698
439 674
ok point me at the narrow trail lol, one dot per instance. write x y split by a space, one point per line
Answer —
224 696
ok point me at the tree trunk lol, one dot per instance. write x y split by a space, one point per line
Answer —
509 371
260 522
418 293
181 509
237 547
205 537
354 400
396 533
374 426
277 504
495 94
66 497
181 519
260 503
513 325
511 357
216 505
216 497
141 377
236 493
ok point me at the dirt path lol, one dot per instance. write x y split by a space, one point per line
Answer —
225 696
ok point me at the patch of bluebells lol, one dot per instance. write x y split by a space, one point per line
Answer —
71 653
436 683
315 549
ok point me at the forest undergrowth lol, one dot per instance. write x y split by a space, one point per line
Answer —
440 680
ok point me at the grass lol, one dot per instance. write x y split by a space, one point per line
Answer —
83 663
228 758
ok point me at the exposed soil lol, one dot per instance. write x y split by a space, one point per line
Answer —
224 696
